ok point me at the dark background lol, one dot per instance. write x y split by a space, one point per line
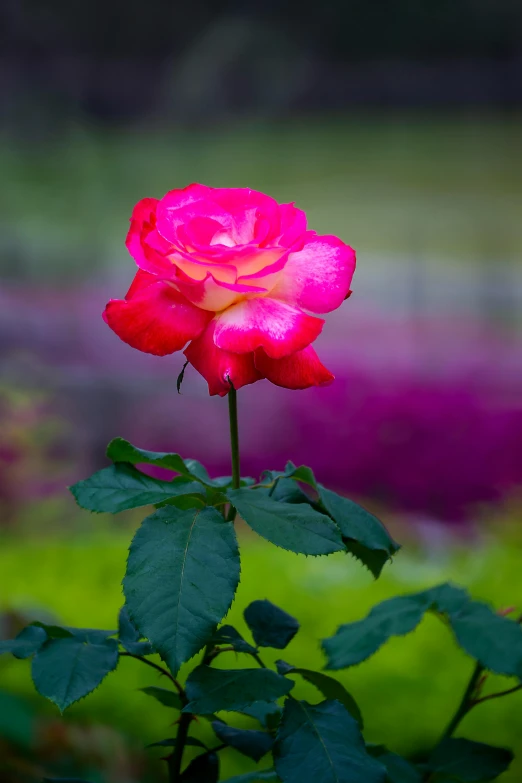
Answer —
121 61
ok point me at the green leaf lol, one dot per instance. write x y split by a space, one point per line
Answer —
399 770
470 762
303 474
328 686
127 631
297 528
65 670
121 486
54 631
211 690
249 742
267 713
129 636
93 635
254 777
200 472
228 635
203 769
270 626
182 574
289 476
355 642
287 491
185 502
447 598
364 535
494 641
164 696
323 743
28 641
120 450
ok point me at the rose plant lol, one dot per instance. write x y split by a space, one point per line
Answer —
236 275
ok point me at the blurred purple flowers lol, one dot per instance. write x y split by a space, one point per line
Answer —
425 417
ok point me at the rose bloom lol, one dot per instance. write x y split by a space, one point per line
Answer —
236 275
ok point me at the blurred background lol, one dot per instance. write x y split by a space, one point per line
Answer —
395 125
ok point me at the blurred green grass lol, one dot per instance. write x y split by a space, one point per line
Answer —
407 691
393 184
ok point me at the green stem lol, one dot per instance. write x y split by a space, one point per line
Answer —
497 695
466 703
174 761
258 660
159 669
234 436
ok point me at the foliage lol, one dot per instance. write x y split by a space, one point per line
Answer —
323 742
181 578
494 641
322 592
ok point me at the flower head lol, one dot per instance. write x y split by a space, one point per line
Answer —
236 275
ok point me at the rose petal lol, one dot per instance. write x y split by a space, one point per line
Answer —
141 222
298 371
210 294
317 277
155 318
248 208
293 224
181 207
141 280
218 367
143 242
198 269
261 263
265 323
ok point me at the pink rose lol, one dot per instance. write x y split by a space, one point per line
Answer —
235 274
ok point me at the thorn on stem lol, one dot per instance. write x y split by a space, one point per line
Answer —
506 611
180 377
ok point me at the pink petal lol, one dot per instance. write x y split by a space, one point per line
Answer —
317 277
182 197
178 208
199 231
143 242
241 215
298 371
265 323
248 208
141 222
293 224
155 318
218 367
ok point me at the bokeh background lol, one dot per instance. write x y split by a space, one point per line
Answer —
396 125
